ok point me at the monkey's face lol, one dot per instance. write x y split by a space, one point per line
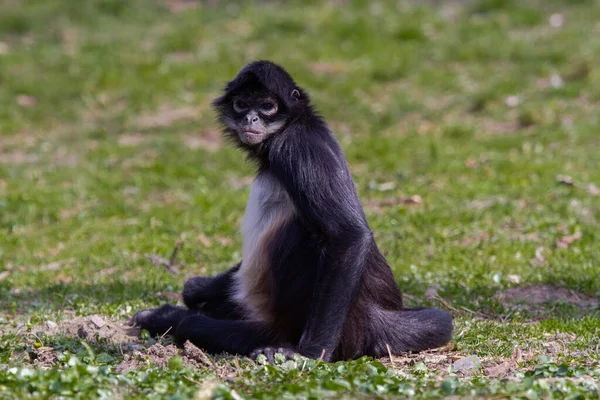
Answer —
254 115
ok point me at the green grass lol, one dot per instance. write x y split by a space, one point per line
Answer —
109 152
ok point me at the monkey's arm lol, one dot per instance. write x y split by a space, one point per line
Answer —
205 288
212 295
315 173
205 297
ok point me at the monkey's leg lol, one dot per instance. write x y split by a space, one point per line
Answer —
408 330
211 295
211 334
162 320
230 336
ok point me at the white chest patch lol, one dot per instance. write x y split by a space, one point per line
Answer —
269 208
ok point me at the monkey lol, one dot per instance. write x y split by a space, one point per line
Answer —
312 280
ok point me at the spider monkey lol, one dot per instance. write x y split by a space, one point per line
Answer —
312 280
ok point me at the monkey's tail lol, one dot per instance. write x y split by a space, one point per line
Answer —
416 329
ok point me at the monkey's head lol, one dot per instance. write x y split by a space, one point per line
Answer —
258 103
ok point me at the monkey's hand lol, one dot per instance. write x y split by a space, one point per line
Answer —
160 321
269 353
204 289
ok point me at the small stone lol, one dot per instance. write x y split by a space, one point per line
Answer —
26 101
384 187
512 101
96 320
467 364
137 347
556 81
432 292
414 199
50 324
556 20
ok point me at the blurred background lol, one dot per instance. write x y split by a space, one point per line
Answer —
471 128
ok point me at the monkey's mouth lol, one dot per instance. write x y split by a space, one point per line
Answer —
251 136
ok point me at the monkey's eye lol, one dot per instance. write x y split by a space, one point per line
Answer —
240 105
268 108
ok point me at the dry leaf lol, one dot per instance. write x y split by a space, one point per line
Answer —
383 187
565 241
414 199
26 101
517 355
498 370
565 179
470 163
593 189
206 242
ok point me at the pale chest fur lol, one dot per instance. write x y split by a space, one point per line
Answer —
268 210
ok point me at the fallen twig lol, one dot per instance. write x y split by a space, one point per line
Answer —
457 311
169 264
390 354
175 250
166 332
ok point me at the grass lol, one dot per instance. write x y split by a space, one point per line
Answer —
470 128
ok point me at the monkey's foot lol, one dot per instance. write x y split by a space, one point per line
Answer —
160 321
269 353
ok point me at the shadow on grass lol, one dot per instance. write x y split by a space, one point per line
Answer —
527 301
86 298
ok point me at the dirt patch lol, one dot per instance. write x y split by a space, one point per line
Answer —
329 68
130 139
440 360
18 158
160 355
44 357
445 359
166 116
500 127
433 359
93 328
535 298
209 140
177 6
378 206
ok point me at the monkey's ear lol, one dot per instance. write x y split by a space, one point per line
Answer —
295 94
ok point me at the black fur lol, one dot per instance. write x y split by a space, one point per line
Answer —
330 291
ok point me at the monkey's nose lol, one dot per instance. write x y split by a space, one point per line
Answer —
252 118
